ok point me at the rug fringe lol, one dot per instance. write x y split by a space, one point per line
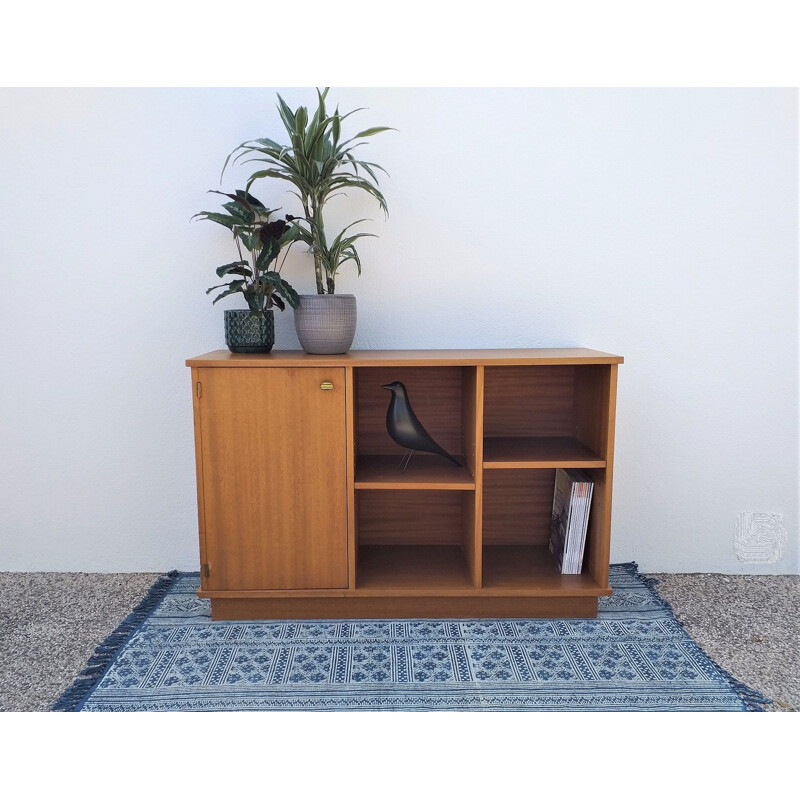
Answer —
753 699
104 653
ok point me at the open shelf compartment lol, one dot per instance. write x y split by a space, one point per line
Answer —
425 567
546 416
444 399
415 540
530 567
517 506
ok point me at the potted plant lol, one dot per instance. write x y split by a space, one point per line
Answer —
319 164
259 242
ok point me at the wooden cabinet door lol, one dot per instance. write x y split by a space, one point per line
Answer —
273 477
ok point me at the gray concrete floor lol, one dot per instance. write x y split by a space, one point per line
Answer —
749 625
50 624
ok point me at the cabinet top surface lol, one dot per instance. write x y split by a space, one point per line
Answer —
377 358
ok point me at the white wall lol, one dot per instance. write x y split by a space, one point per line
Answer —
658 224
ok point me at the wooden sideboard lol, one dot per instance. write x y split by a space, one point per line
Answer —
303 512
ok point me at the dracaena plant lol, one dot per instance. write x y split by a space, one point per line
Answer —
259 241
320 165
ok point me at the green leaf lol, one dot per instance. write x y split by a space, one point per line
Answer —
293 177
248 239
233 287
303 235
267 255
373 131
271 277
287 291
289 238
300 121
234 268
242 199
286 115
350 113
221 219
349 254
350 240
270 143
227 160
353 182
240 214
275 300
367 167
255 301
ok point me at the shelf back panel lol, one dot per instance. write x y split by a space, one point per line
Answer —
517 505
435 394
397 517
529 401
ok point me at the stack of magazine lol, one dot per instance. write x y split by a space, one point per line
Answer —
570 519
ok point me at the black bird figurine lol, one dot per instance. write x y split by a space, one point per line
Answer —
406 429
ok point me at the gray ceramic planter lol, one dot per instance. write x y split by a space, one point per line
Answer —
246 333
326 323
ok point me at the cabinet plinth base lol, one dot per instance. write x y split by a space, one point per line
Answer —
401 607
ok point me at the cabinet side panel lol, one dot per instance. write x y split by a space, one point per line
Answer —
198 460
598 541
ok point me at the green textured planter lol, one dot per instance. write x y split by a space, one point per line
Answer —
247 333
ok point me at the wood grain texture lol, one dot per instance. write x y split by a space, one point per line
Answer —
536 452
471 416
428 543
529 401
592 387
408 607
198 460
398 358
274 478
418 567
470 540
523 566
598 543
517 505
350 428
435 395
403 517
597 533
472 425
423 472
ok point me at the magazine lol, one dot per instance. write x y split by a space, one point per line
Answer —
572 497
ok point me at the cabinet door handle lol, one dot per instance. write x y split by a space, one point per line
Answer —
326 386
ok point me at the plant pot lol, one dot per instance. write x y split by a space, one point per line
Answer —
326 323
247 333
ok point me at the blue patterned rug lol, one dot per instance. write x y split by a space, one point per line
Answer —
169 656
